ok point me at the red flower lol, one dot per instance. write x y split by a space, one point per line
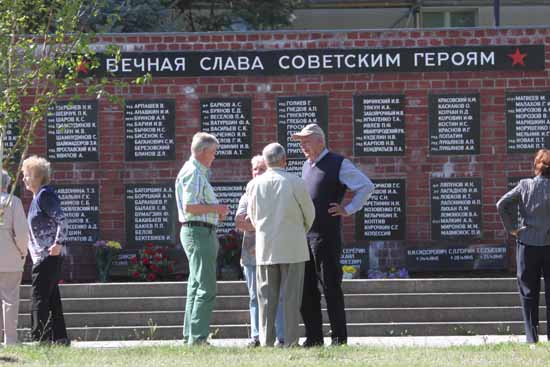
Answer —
158 258
154 268
134 260
170 268
61 281
145 261
149 245
82 67
135 275
159 251
151 277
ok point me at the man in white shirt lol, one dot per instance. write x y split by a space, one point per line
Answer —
282 212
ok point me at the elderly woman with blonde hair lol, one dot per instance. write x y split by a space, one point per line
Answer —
532 196
14 236
48 229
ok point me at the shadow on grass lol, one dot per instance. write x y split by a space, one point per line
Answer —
7 359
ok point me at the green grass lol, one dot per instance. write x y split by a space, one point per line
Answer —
501 355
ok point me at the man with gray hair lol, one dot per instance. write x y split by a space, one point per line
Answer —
14 237
248 262
327 176
199 213
282 212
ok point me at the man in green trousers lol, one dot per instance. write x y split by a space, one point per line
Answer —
199 213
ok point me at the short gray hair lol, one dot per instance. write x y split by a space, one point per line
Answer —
40 166
257 159
6 179
203 141
273 154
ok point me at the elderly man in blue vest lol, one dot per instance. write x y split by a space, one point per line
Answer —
282 212
328 176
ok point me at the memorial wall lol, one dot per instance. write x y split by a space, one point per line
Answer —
442 121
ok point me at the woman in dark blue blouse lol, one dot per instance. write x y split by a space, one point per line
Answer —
48 229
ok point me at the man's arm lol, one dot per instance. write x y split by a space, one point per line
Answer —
242 222
251 207
306 204
20 226
357 182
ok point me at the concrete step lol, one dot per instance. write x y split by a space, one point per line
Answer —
358 286
388 300
391 300
117 311
463 285
353 315
241 331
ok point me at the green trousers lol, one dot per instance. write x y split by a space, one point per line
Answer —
201 247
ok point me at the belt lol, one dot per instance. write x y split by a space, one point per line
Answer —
198 224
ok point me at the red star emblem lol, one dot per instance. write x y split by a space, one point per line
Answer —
517 58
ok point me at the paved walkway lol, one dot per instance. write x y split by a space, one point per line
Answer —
397 341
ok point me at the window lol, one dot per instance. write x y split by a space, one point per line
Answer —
447 18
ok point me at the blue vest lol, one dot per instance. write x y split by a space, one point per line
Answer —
324 187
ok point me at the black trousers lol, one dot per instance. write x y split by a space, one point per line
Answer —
324 269
47 321
532 262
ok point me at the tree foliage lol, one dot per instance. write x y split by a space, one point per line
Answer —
36 70
193 15
219 15
127 16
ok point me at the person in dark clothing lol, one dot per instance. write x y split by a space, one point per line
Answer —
48 229
328 176
532 197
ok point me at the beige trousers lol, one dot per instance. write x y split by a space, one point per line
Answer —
271 280
9 295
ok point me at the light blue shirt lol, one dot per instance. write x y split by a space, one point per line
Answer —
192 187
355 180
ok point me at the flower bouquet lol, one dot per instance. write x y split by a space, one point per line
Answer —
105 252
350 271
151 264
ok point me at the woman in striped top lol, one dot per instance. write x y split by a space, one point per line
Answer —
532 197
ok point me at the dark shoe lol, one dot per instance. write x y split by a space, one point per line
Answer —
253 343
201 342
338 342
64 342
313 343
